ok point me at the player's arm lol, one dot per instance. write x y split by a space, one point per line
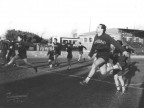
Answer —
7 54
84 47
118 46
92 51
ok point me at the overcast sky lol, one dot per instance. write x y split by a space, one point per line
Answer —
60 17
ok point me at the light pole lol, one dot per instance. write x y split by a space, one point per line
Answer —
90 24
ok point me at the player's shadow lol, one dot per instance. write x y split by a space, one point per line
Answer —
132 69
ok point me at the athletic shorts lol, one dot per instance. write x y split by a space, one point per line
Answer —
51 58
22 56
69 56
12 54
104 55
80 52
118 72
57 53
122 61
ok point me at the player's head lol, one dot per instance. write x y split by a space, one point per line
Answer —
79 43
101 28
55 40
19 38
50 47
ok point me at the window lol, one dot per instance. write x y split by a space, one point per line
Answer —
90 39
85 39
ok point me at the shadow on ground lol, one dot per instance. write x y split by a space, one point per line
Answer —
56 91
132 69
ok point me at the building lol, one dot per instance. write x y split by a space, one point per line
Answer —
116 33
64 40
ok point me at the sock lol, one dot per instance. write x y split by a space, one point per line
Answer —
87 79
123 88
118 88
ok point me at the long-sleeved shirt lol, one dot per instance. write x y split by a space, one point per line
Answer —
51 54
4 45
69 50
80 47
22 47
102 44
57 47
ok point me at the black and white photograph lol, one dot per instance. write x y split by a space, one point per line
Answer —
71 54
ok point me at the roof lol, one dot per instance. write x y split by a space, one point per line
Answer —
137 33
108 31
88 33
69 38
112 31
115 31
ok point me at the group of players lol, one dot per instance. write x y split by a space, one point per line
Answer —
9 55
101 48
55 50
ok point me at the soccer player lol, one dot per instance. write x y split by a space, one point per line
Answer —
57 51
80 49
22 47
50 55
11 51
101 46
4 47
69 55
118 58
130 51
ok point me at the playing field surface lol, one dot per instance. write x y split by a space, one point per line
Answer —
21 87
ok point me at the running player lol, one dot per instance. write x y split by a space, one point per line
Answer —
50 55
130 51
11 52
101 45
4 47
69 56
22 47
80 49
57 51
118 58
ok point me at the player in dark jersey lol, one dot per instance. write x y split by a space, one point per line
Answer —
11 51
69 55
57 51
80 49
50 55
119 59
4 47
130 51
101 45
22 47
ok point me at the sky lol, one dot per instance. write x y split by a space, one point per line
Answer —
61 17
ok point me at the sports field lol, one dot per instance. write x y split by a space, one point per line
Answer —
21 87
